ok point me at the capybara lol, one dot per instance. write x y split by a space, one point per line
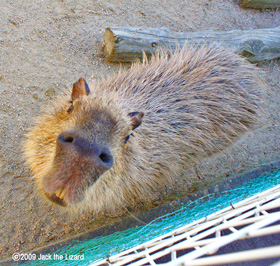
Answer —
109 143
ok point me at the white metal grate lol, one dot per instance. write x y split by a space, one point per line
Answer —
256 216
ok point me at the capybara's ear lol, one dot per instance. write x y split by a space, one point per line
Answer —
80 88
136 119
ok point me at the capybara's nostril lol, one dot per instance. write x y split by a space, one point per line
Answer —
66 137
106 159
69 139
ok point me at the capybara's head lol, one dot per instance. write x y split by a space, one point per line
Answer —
81 139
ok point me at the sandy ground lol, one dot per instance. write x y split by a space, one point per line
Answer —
45 46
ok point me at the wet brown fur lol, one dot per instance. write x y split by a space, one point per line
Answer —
195 102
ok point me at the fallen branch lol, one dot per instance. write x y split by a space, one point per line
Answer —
127 44
260 4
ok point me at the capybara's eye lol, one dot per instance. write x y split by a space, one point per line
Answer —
70 109
126 139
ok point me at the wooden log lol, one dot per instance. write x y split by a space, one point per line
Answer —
260 4
127 44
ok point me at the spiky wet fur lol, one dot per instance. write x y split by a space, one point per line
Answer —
196 102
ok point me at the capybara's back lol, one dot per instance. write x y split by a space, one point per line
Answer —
106 145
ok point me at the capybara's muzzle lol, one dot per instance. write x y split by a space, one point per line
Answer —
77 165
70 142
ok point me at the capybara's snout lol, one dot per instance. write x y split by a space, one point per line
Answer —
78 163
70 142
